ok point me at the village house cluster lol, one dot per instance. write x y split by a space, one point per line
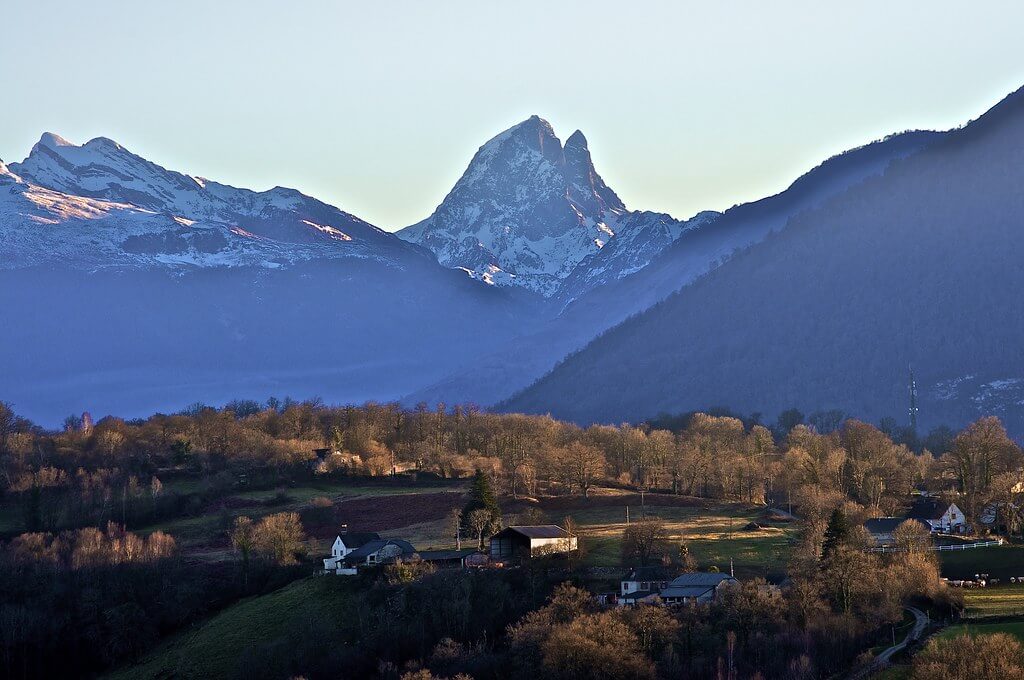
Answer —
354 550
513 545
935 515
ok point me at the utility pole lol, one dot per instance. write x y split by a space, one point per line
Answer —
913 401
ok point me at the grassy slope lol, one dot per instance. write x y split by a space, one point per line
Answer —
213 648
1015 628
999 562
714 535
1001 600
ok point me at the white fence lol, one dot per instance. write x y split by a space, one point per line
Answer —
940 548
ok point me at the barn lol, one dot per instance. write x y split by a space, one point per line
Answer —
521 542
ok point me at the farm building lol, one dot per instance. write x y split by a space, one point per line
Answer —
451 558
642 584
695 587
380 551
351 551
531 541
345 544
882 528
941 517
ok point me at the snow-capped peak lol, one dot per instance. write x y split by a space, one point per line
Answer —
526 206
138 213
53 141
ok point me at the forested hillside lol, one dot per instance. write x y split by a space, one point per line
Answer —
919 267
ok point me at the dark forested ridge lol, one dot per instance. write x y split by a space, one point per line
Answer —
919 267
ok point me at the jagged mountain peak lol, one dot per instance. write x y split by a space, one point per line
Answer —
576 140
526 206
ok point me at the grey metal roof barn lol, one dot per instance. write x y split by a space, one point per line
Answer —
540 531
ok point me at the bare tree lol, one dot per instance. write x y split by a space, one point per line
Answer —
643 538
478 521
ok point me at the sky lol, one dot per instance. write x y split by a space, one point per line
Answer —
377 107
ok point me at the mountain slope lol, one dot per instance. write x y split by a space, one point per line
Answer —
710 242
918 266
138 289
158 216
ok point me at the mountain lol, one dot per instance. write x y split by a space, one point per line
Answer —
918 266
532 213
137 288
155 216
594 299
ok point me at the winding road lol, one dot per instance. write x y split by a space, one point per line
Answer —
882 660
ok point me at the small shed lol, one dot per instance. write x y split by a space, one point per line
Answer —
447 559
531 541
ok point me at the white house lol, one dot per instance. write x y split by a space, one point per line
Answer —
344 545
695 587
941 517
642 584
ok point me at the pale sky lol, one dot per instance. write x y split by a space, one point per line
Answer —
377 106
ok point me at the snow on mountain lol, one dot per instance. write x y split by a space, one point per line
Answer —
98 204
139 289
526 212
639 237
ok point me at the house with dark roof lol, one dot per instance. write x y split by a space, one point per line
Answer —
380 551
941 516
344 544
696 587
882 528
524 542
642 584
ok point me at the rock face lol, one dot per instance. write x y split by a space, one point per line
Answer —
528 211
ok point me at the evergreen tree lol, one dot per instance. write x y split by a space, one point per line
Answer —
481 497
836 533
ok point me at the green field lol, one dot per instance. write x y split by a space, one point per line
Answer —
714 534
1015 628
1001 600
213 648
1000 562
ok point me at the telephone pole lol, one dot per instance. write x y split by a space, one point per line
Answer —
913 401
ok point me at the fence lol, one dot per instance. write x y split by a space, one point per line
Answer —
941 548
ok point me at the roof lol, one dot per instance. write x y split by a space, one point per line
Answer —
441 555
638 595
928 508
886 525
700 578
646 574
538 531
354 539
686 591
373 546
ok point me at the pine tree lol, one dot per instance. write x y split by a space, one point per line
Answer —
481 497
836 533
